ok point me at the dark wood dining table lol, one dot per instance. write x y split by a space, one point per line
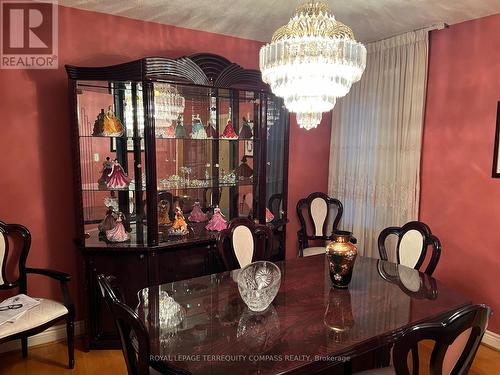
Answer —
310 327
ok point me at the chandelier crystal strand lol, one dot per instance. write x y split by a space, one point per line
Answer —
312 61
169 102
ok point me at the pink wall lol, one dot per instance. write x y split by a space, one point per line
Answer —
308 171
459 199
36 181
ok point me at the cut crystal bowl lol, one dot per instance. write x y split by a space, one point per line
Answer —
258 284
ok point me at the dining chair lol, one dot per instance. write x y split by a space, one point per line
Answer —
414 238
15 243
456 341
319 215
244 242
275 205
133 333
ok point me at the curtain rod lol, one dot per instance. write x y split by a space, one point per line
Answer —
436 26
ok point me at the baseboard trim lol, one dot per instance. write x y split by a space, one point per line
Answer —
52 334
492 340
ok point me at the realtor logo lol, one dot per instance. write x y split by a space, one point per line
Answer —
29 34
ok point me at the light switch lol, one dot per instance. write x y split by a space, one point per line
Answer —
96 157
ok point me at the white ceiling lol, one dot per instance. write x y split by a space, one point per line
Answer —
258 19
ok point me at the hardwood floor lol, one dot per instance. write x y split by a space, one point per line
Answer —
51 359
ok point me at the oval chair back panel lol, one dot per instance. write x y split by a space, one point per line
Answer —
15 242
414 239
243 245
244 242
319 215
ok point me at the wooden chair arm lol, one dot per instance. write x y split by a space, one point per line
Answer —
61 276
63 279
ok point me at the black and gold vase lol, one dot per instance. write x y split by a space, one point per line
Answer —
341 254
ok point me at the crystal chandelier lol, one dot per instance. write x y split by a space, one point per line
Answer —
312 61
168 102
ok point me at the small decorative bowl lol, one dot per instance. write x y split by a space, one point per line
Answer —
258 284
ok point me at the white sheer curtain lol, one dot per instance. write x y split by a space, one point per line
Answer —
377 137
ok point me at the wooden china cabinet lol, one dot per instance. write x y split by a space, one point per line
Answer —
161 103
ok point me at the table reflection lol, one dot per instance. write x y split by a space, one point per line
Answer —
338 315
259 331
410 281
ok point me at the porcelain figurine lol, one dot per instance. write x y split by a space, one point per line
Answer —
108 125
244 170
109 221
170 131
180 130
118 233
246 129
198 130
217 222
163 208
118 179
179 227
197 215
107 166
211 131
229 132
269 216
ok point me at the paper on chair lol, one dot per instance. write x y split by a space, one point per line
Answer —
11 315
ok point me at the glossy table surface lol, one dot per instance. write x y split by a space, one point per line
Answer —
308 327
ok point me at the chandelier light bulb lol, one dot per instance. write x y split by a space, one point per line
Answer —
312 61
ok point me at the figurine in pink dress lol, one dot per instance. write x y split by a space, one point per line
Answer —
217 222
229 132
269 216
118 233
118 179
107 166
109 221
197 215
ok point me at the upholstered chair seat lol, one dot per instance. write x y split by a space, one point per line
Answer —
309 251
41 314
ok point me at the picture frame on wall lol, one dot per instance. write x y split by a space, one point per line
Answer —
248 148
496 150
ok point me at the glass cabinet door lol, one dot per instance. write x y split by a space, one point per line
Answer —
276 165
204 157
110 136
184 157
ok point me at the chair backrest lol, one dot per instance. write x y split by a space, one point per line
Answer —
127 322
411 281
456 342
15 242
319 215
244 242
275 205
411 250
